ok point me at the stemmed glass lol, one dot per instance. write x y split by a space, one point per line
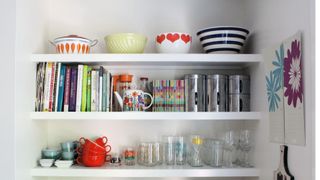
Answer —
229 146
245 146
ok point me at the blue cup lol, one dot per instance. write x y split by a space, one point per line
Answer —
68 146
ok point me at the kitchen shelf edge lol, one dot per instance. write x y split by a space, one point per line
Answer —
145 116
145 172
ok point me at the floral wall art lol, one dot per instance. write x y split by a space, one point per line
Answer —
284 83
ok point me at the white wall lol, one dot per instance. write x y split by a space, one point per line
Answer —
30 38
7 36
97 18
273 21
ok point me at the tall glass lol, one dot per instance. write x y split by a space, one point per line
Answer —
181 150
169 150
245 145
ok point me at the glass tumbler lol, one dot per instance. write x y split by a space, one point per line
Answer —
169 150
194 149
213 152
129 155
150 153
180 150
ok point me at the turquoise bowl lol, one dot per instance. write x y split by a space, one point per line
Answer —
68 155
51 153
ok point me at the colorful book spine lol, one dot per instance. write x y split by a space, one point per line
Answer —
104 92
108 91
73 89
79 88
89 90
61 88
67 90
84 88
171 95
56 87
182 96
167 95
40 86
47 87
94 90
155 95
100 87
51 94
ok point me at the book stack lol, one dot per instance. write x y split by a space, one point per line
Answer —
168 95
72 88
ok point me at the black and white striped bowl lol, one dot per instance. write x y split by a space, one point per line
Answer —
223 39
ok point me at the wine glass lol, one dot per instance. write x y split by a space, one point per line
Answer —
245 145
229 146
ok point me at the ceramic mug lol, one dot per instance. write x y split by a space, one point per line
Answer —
133 100
69 146
102 141
87 144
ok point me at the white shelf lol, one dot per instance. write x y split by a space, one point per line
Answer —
139 171
150 116
194 61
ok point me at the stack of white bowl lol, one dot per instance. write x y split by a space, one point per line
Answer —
223 39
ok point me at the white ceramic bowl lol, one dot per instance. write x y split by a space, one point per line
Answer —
223 39
46 162
173 42
63 163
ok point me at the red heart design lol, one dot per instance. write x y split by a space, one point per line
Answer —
161 38
185 38
173 37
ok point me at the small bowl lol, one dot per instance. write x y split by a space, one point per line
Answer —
68 155
125 43
63 163
173 42
46 162
51 153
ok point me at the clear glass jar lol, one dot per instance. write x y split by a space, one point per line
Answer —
194 150
213 152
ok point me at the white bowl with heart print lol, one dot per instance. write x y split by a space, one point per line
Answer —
173 42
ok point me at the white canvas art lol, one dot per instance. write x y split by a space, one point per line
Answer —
285 91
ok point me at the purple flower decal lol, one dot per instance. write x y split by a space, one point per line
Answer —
293 74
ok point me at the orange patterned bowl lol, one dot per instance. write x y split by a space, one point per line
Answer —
73 44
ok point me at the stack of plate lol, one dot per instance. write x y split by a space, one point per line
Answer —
223 39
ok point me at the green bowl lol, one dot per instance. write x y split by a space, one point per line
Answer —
125 43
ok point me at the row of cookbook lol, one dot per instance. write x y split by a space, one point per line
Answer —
62 87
